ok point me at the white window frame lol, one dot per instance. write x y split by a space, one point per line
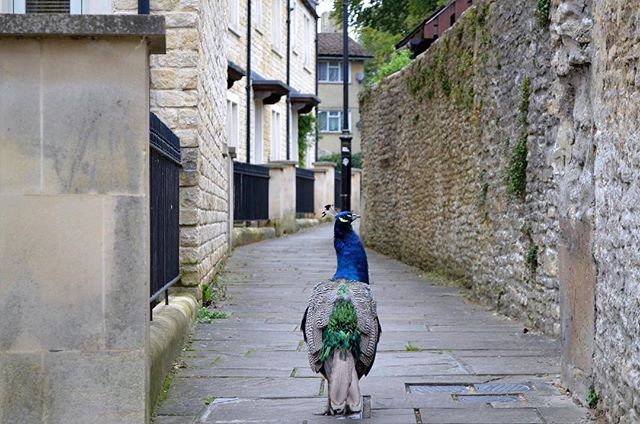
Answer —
259 15
233 122
276 26
324 79
76 7
336 114
234 16
258 136
275 136
307 42
294 30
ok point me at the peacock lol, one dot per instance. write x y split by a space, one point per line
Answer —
340 324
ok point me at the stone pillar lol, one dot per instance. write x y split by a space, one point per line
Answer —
74 217
323 188
282 196
356 178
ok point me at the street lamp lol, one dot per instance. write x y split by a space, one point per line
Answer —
345 138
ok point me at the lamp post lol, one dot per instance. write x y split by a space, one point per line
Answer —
345 138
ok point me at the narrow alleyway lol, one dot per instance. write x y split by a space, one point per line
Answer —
252 367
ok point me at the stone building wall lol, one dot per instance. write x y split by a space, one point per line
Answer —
188 92
444 140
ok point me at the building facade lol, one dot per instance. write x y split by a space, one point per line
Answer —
271 49
330 89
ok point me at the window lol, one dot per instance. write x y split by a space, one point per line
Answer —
259 129
307 40
74 7
276 24
331 71
330 121
258 14
233 126
234 15
294 30
275 135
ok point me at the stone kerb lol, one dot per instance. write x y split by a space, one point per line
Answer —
74 218
323 188
282 196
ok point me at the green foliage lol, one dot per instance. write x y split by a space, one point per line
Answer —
166 385
484 190
306 128
381 24
342 331
532 258
208 400
356 159
207 295
543 11
516 172
592 397
516 176
206 316
397 61
411 348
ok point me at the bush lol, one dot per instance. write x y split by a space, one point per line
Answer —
398 60
356 160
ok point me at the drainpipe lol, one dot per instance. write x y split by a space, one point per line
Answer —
316 108
289 78
248 123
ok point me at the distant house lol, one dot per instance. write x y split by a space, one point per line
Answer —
330 89
421 38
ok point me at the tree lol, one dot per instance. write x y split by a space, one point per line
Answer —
381 24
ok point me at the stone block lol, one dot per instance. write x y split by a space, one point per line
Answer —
52 280
19 107
126 273
109 385
22 388
91 116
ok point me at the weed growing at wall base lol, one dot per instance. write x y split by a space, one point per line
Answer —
516 172
206 316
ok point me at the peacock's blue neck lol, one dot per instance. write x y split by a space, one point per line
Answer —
352 258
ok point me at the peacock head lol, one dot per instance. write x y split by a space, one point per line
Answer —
345 218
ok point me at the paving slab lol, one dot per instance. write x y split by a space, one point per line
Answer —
252 367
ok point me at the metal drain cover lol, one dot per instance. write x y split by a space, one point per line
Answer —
486 398
433 389
501 388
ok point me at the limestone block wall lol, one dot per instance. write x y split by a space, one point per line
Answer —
188 92
74 219
457 171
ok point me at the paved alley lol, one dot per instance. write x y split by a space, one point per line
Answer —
440 358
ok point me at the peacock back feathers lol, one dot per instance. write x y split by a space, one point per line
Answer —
342 332
341 314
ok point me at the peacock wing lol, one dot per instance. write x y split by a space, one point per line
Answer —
321 301
368 324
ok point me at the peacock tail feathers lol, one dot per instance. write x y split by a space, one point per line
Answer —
342 331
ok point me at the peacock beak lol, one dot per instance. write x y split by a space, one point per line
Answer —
355 216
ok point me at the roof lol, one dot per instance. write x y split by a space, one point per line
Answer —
330 44
311 7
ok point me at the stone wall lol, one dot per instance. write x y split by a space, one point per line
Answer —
457 173
188 91
440 177
596 62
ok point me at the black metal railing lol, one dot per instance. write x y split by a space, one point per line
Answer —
164 169
250 192
337 190
304 191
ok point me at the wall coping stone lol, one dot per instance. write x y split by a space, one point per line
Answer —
60 25
280 164
324 164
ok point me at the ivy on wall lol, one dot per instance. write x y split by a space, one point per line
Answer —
516 172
